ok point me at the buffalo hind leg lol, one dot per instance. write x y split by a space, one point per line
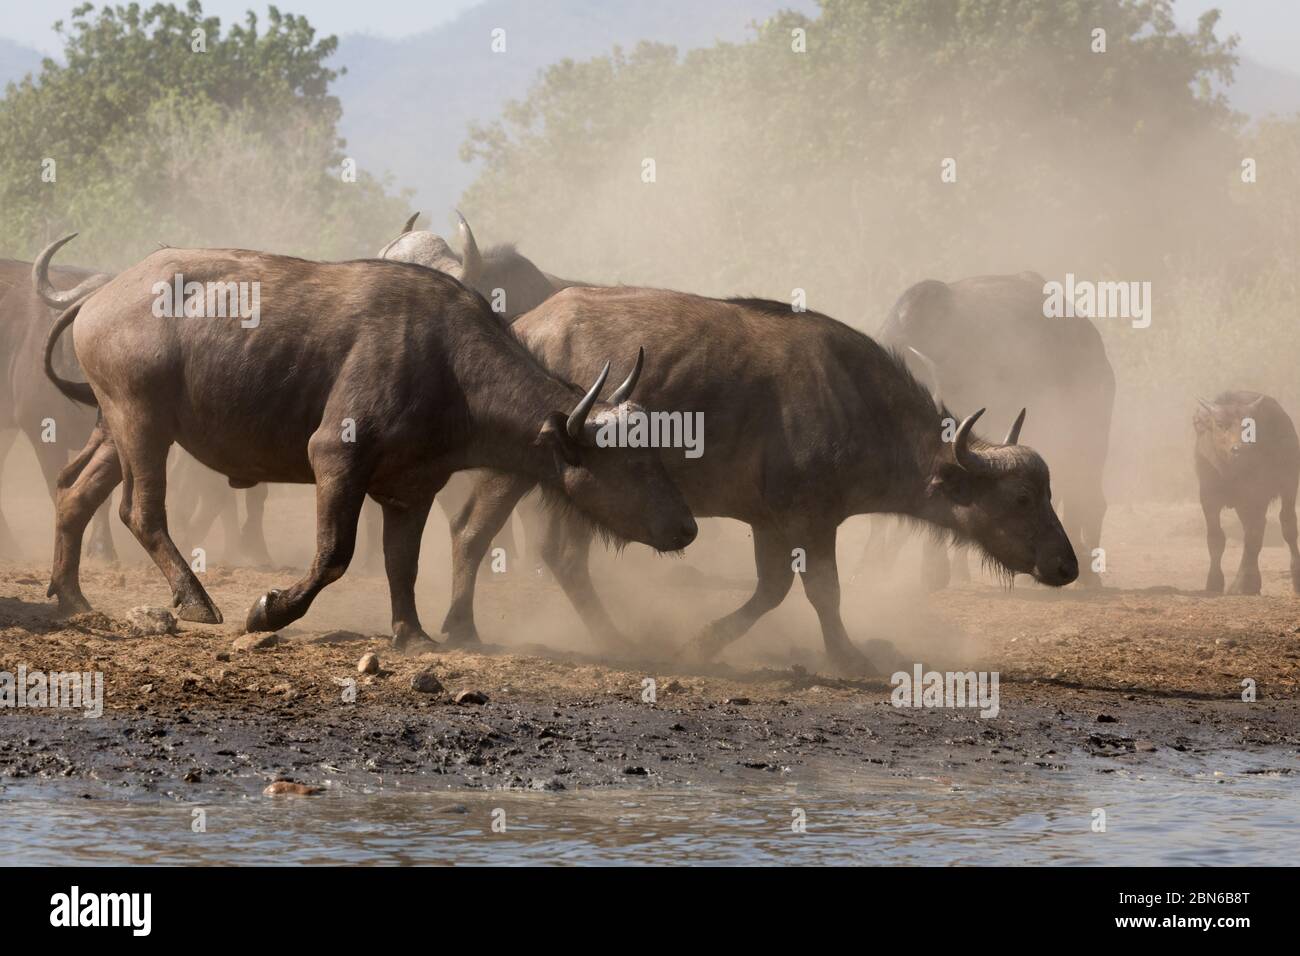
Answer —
340 492
1253 520
83 486
821 584
566 549
1287 517
488 507
403 529
143 451
774 562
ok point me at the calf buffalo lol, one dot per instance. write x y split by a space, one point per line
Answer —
806 422
1247 455
365 377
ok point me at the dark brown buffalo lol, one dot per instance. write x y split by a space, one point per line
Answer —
509 281
199 496
806 422
363 377
1247 456
991 345
513 285
28 399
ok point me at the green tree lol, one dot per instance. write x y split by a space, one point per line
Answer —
163 127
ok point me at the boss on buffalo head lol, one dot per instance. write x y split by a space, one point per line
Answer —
432 251
595 479
1000 498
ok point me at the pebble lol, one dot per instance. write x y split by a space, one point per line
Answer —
369 664
737 701
426 682
1144 745
256 641
149 621
471 697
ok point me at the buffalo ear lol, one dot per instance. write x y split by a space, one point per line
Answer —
954 483
555 435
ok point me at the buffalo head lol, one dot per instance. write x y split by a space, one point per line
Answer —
1000 498
1221 433
432 251
596 480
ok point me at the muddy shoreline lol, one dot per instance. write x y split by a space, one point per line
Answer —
189 716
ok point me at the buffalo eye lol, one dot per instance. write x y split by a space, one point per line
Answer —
1024 500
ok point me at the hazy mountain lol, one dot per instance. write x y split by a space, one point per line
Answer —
407 103
16 61
1260 90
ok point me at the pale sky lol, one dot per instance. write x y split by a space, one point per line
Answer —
30 22
1269 29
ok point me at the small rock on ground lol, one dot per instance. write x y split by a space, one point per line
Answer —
426 682
148 621
256 641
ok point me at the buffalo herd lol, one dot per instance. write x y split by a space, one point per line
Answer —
477 377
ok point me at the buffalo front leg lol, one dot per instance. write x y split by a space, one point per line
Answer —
775 564
1287 518
340 492
83 486
885 538
566 549
1215 540
488 507
821 584
252 536
1253 520
403 529
8 543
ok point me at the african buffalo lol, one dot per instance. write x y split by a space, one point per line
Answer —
364 378
990 344
513 285
510 282
806 422
29 401
1247 455
199 495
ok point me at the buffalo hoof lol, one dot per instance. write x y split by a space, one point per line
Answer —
1214 582
262 616
1295 580
462 637
703 648
413 640
1249 585
200 612
70 604
848 661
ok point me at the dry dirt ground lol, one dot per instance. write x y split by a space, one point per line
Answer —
1147 671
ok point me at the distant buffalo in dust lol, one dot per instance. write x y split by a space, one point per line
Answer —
1247 455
